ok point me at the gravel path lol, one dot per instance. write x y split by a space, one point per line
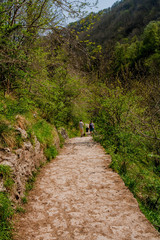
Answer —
77 196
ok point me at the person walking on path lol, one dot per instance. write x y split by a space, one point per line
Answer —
91 127
81 124
87 128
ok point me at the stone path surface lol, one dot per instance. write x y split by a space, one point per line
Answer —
77 196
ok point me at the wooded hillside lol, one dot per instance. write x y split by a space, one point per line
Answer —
124 19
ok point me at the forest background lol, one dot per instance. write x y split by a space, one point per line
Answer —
104 67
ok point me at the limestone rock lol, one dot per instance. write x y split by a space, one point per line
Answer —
23 162
63 132
2 188
22 132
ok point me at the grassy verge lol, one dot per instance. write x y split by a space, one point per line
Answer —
6 213
6 209
138 174
15 114
22 113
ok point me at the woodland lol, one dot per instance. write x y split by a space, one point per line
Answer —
104 67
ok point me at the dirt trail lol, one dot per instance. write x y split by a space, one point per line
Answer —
77 196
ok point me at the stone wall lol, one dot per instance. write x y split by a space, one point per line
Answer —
23 162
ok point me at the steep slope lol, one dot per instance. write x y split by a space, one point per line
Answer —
126 18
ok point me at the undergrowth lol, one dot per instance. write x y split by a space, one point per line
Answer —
6 176
131 136
21 112
138 175
6 209
6 213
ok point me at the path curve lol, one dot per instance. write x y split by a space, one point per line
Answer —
77 196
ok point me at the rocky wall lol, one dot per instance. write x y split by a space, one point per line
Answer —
23 162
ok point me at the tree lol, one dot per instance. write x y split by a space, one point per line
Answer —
22 23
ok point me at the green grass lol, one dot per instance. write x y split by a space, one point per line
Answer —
10 109
11 106
6 175
24 200
50 152
43 132
138 175
20 209
6 213
6 209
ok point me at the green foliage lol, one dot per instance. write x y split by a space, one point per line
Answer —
125 135
24 200
151 38
6 175
132 54
20 209
43 132
3 128
28 187
9 137
153 63
31 181
35 74
62 140
50 152
12 106
45 135
6 212
125 19
73 131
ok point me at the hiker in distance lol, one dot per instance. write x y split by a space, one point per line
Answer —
91 128
81 124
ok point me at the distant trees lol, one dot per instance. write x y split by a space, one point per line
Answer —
22 23
145 52
34 56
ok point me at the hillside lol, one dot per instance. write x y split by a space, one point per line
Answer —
124 19
117 40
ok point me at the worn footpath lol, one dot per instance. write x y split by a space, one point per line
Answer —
77 196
